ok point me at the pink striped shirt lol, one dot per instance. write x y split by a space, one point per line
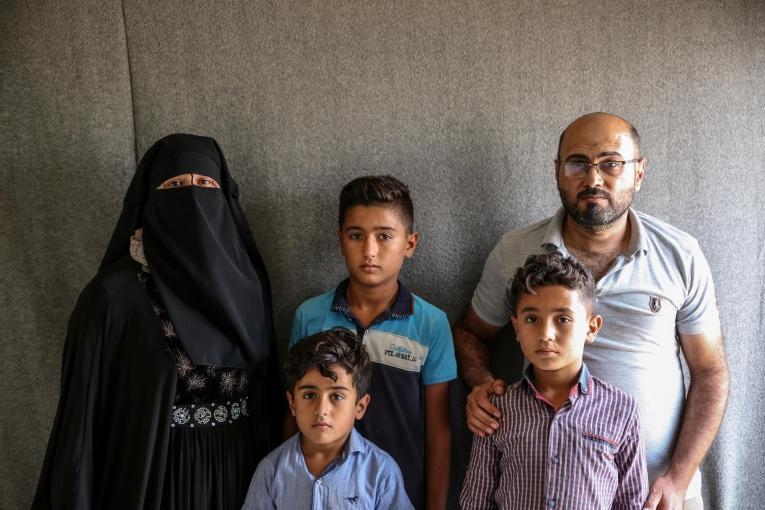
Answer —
588 455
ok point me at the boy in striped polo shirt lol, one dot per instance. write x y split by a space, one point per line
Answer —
568 440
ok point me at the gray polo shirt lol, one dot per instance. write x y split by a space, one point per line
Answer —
660 287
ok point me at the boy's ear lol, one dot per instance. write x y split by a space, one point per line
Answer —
594 324
411 244
361 406
514 320
291 402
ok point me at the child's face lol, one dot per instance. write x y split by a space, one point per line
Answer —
552 327
325 410
375 242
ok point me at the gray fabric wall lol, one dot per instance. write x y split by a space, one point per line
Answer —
464 100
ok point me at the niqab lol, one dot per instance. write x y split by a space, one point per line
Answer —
201 253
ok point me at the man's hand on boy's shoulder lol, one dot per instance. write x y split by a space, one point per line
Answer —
482 414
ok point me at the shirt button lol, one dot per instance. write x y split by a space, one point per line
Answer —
318 482
551 503
555 459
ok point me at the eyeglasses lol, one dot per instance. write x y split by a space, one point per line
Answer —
578 169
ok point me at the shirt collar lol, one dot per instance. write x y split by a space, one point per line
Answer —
553 236
354 444
402 307
583 383
638 241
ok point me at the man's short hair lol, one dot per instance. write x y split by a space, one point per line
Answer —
322 350
547 270
380 191
633 133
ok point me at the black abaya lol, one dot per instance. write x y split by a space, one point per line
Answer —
110 446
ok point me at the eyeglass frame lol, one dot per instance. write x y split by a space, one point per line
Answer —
597 167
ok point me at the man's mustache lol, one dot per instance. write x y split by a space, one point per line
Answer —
594 192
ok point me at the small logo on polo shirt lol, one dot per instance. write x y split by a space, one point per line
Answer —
394 350
655 304
400 352
353 499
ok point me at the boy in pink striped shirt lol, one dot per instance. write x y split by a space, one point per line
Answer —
567 439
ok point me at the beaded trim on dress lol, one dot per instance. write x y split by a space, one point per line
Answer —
197 384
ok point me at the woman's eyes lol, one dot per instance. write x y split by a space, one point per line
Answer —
209 183
201 181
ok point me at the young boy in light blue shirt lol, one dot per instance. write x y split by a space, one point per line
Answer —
327 464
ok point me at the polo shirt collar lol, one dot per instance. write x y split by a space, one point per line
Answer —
354 444
584 382
402 307
553 236
638 242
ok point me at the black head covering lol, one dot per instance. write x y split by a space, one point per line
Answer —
201 253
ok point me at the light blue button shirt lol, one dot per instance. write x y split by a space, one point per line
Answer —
362 477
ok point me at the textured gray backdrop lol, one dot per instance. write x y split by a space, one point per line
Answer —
464 100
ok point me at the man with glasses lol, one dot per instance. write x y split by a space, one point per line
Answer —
654 291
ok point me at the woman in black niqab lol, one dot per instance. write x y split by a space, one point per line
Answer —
169 388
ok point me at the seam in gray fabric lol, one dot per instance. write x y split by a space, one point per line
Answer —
130 80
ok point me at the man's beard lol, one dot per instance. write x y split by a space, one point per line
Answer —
594 217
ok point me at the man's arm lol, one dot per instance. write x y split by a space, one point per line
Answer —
471 338
704 409
437 445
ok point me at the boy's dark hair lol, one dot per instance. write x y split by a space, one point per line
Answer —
337 346
380 191
547 270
